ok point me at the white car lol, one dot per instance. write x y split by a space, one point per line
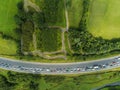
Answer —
118 58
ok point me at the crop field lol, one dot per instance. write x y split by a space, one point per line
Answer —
104 18
8 9
54 12
75 12
49 39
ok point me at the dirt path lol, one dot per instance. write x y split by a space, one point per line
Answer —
34 41
47 55
67 26
63 41
28 3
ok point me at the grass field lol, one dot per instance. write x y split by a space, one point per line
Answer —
8 9
104 18
8 47
75 12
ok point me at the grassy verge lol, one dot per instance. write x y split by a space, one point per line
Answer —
70 59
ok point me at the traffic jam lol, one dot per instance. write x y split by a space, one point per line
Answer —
60 69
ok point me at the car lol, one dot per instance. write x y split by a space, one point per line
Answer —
103 66
47 69
118 58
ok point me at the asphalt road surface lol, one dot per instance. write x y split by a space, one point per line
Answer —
59 68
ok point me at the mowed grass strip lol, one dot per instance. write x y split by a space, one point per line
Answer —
75 8
8 8
7 47
49 39
104 18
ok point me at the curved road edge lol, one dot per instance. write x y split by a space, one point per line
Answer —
60 68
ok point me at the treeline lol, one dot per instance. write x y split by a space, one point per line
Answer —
27 36
85 43
25 27
85 14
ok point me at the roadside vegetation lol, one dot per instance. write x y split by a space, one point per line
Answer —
20 81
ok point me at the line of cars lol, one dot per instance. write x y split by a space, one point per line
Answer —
60 69
114 63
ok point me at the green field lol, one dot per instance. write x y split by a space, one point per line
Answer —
8 47
8 9
74 12
49 39
104 18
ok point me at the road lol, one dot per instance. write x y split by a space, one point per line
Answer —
108 85
59 68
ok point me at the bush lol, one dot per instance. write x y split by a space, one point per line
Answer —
49 39
27 35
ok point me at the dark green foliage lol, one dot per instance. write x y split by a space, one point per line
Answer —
18 77
54 12
27 35
34 85
5 84
21 81
84 43
39 19
29 80
48 39
54 79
